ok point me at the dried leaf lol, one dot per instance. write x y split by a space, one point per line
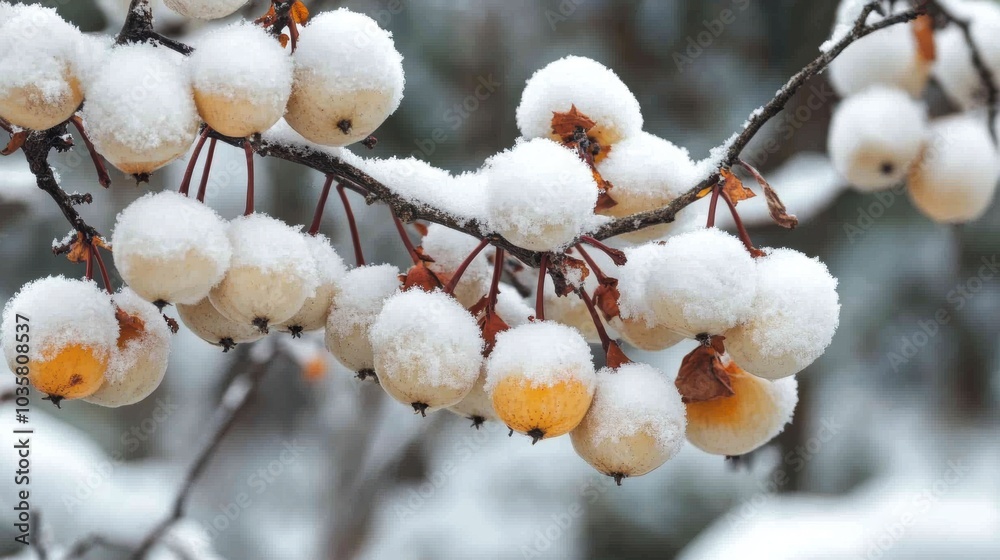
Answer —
423 256
616 358
299 12
606 298
419 276
172 324
566 124
130 327
16 141
734 188
421 228
268 19
923 32
569 268
491 325
283 39
705 192
776 208
702 376
79 249
604 199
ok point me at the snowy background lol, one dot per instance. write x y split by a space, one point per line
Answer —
894 450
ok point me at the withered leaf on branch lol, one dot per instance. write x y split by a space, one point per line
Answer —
923 32
299 12
570 268
421 228
734 187
16 141
775 206
172 324
566 124
604 199
491 325
419 276
616 358
79 249
703 376
130 327
606 298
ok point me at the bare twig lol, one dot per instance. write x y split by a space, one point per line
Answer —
36 150
138 28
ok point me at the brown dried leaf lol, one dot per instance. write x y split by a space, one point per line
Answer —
923 32
299 12
734 188
604 199
566 124
569 267
776 208
130 327
702 376
16 141
79 249
424 256
421 228
283 39
419 276
172 324
606 298
491 325
616 358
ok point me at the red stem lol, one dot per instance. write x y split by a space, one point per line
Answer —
601 331
102 171
712 206
359 256
293 33
614 254
495 285
543 271
321 205
743 233
100 264
405 238
457 276
89 272
186 181
601 277
250 194
203 187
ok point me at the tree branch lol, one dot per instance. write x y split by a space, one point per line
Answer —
36 150
138 28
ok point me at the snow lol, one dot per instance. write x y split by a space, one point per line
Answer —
957 179
648 171
243 63
637 399
204 9
449 248
270 245
365 288
422 184
539 195
953 68
142 100
139 362
511 308
51 59
876 136
543 353
60 311
595 90
888 56
698 282
348 53
795 315
330 267
168 246
431 335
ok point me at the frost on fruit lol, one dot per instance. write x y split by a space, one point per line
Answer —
205 9
539 195
700 282
205 321
647 172
427 349
956 180
365 290
140 110
139 360
758 411
272 272
540 377
889 57
635 424
596 91
170 248
330 269
40 86
876 136
795 314
73 332
242 78
449 248
348 79
954 69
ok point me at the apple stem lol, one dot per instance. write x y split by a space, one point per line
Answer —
405 238
321 206
601 331
186 181
601 277
359 255
740 227
95 253
203 187
457 276
543 271
102 171
250 194
712 206
495 285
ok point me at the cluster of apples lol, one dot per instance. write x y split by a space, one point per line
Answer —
144 103
881 136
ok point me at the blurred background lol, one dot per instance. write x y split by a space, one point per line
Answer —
893 452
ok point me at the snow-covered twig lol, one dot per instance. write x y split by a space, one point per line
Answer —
138 28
